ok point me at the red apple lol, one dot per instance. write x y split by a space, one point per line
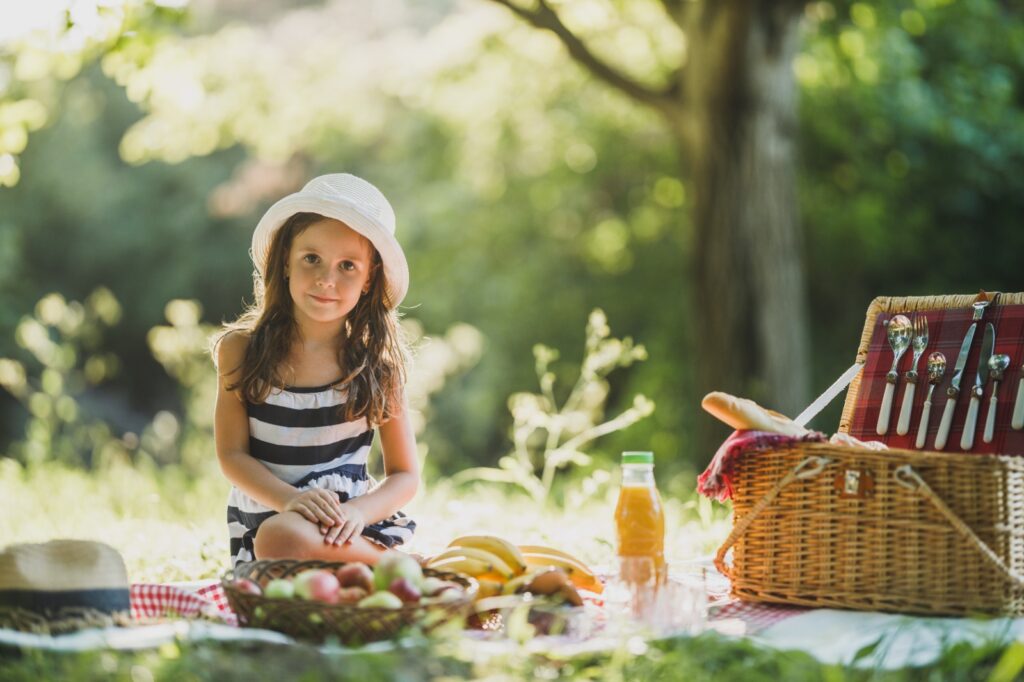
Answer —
246 586
317 584
404 590
356 574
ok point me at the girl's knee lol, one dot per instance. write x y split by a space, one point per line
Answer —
279 537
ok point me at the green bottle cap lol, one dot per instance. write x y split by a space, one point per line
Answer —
637 457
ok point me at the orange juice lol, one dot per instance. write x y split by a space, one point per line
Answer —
640 516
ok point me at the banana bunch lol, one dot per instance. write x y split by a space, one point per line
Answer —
501 567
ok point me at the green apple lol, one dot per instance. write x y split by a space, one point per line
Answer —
279 588
394 565
381 600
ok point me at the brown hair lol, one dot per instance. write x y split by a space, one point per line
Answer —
372 352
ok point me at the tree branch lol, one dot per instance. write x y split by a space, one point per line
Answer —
666 100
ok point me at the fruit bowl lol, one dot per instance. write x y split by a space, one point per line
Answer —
350 624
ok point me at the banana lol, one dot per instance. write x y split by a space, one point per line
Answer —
462 564
495 562
519 583
500 547
544 549
579 574
489 588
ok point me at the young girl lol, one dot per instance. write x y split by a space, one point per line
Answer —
307 374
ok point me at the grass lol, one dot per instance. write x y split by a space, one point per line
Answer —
169 526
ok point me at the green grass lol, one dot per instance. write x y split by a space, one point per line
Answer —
169 526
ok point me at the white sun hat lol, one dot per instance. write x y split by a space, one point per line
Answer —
354 202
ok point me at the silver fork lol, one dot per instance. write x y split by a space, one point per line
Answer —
918 343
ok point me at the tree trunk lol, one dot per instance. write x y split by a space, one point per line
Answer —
752 335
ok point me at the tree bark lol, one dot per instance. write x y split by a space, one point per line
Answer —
732 106
739 143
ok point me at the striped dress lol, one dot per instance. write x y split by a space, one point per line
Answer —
301 435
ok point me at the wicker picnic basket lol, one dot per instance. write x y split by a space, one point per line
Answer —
350 624
901 530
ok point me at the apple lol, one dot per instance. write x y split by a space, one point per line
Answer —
351 595
393 565
317 584
381 600
446 596
432 586
356 574
246 586
404 590
280 588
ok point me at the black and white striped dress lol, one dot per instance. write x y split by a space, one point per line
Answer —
301 435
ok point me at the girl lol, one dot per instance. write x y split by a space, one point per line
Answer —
308 372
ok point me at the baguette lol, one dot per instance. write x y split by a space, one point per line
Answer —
744 414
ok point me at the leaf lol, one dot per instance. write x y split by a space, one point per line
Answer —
867 649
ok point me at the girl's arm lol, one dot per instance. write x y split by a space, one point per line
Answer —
401 480
231 435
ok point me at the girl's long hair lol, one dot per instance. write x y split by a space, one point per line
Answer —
372 351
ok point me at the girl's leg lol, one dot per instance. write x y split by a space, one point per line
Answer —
289 535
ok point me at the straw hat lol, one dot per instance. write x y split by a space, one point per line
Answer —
354 202
63 585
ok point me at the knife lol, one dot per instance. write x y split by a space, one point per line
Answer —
954 387
987 344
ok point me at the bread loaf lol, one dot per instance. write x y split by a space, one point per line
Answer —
744 414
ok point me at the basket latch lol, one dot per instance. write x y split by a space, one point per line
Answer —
855 483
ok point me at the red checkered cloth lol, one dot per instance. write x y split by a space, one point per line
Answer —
716 481
755 616
176 601
946 330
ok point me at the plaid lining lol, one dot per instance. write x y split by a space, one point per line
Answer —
946 328
163 601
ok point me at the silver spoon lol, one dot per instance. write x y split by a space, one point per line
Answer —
899 340
936 368
997 365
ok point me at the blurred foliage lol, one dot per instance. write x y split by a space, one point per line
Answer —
45 43
527 194
553 438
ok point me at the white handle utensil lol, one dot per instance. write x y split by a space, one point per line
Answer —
997 365
1018 407
883 414
922 426
903 425
899 332
947 421
936 368
967 439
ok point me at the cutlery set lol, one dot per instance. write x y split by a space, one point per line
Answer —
905 333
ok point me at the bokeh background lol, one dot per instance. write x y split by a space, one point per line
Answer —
609 207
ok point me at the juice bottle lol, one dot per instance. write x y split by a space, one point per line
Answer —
640 516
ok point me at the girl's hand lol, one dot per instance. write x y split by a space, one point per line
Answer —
345 532
319 506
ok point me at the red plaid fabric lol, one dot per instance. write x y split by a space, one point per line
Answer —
755 616
946 329
716 481
162 601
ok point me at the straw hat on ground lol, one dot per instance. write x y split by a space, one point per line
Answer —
63 585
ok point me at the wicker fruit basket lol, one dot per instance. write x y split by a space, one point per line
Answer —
902 530
350 624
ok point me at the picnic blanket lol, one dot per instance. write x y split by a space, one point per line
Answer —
892 641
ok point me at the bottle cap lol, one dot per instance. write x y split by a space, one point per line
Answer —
633 457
